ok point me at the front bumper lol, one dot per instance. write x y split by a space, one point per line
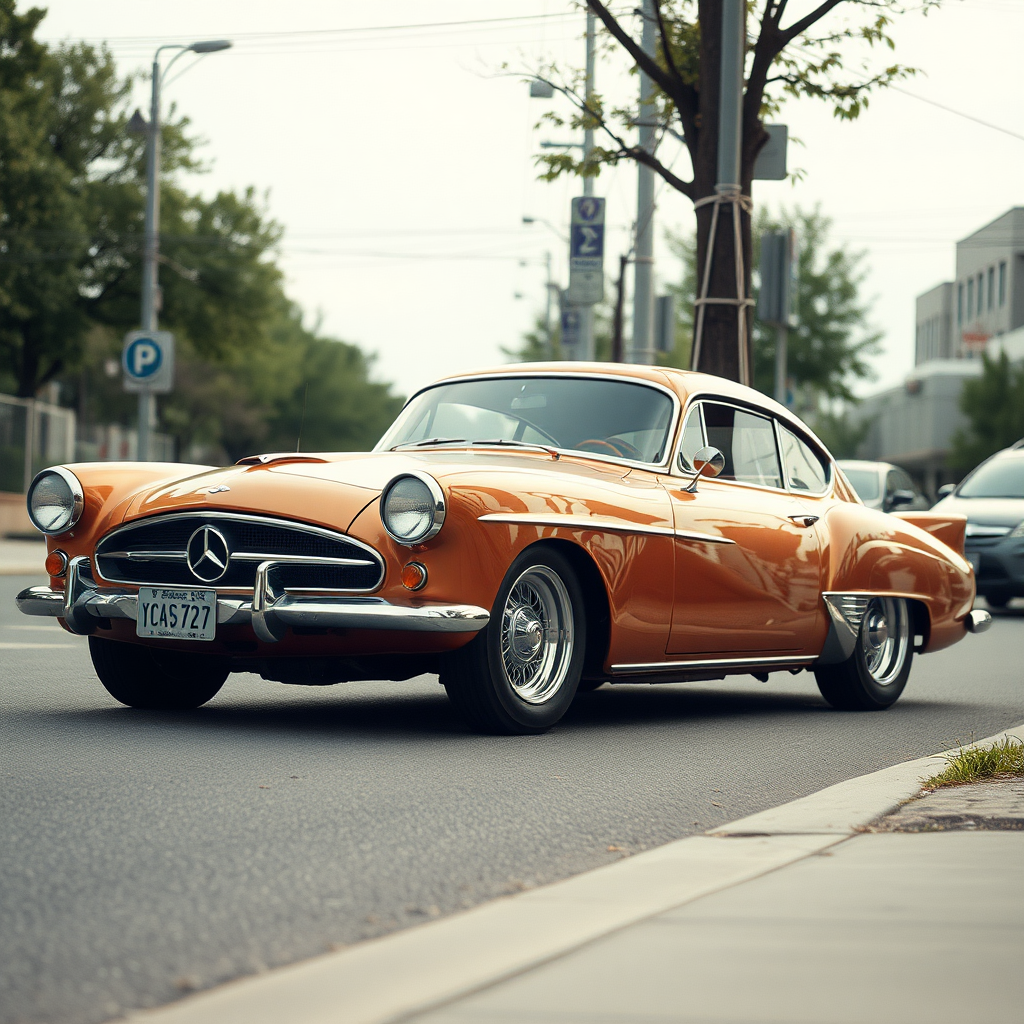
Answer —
269 613
1000 564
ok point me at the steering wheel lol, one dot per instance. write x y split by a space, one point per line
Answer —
613 445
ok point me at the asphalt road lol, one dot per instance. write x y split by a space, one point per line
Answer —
145 854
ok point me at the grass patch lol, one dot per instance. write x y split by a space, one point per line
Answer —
974 764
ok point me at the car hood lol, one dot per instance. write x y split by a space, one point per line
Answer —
985 511
332 489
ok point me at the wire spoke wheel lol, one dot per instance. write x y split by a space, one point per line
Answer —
885 639
537 635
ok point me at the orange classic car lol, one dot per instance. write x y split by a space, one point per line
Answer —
527 533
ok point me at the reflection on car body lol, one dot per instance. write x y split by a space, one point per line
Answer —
527 533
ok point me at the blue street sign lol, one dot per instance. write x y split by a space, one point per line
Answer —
587 243
148 361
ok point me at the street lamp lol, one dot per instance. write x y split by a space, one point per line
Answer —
151 250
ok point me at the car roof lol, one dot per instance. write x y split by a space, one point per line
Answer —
683 382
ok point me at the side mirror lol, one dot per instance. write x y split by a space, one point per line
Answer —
900 498
709 462
946 489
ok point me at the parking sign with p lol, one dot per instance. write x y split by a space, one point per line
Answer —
147 361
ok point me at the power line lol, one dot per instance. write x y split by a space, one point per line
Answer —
959 113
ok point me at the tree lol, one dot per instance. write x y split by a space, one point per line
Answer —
826 348
782 60
994 406
71 217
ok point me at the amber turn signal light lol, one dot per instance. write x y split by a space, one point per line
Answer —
56 563
414 576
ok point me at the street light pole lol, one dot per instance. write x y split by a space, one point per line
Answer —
151 240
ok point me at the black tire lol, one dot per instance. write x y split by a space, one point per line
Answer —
508 688
875 675
141 677
997 598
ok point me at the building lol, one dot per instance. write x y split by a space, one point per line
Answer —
956 319
981 311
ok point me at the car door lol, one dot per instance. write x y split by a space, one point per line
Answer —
748 561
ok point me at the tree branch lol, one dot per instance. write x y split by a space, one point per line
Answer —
788 35
644 61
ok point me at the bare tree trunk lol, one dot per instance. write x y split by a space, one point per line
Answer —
719 348
620 295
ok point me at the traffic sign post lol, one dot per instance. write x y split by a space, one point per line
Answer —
586 252
147 362
570 318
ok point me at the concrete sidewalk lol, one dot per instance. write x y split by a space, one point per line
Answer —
814 911
883 927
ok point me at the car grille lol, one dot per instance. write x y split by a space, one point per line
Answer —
156 552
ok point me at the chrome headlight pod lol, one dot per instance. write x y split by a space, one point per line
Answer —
412 508
55 500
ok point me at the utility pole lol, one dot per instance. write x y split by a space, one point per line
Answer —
150 254
587 312
549 286
643 290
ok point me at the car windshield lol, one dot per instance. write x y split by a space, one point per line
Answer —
600 417
865 483
999 478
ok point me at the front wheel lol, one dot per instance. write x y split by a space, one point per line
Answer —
874 676
141 677
519 675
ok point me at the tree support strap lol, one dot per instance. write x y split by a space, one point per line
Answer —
738 202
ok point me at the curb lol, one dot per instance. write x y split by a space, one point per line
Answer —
416 969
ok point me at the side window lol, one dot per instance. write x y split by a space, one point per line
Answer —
747 441
693 438
805 470
892 482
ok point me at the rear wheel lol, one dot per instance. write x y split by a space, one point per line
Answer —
141 677
874 676
997 598
519 675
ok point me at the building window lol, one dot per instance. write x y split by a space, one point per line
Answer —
991 287
1002 283
960 304
981 293
970 298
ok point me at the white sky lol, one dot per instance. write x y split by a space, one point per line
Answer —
401 163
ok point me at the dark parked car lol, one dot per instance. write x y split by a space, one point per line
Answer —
992 498
884 486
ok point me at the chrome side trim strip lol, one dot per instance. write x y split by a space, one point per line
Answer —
573 522
674 666
597 523
706 538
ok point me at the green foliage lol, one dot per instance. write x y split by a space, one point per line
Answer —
994 406
1002 760
832 63
839 435
72 199
827 348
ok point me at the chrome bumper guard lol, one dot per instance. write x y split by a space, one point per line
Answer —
269 613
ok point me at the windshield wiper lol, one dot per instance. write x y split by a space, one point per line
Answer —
499 441
430 441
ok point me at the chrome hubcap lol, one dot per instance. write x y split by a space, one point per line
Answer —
537 635
885 638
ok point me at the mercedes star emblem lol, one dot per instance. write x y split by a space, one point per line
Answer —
207 554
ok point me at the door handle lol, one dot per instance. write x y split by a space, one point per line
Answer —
804 520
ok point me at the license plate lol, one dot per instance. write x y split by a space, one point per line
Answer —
177 614
975 560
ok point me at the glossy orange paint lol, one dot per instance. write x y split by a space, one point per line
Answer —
671 595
